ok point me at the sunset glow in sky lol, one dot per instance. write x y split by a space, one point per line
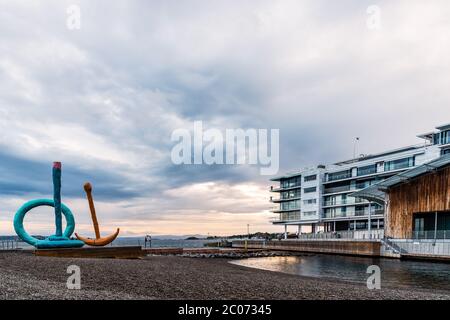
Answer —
104 99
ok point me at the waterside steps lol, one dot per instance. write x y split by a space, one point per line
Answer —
390 249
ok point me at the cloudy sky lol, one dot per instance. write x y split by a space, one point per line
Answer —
105 98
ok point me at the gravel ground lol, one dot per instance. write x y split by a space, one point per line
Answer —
24 276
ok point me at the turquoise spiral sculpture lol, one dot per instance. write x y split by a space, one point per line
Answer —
60 239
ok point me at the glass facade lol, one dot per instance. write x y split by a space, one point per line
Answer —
291 182
365 183
291 194
445 137
290 205
399 164
290 216
442 137
424 225
339 175
335 212
362 171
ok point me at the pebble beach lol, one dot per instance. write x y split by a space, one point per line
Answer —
25 276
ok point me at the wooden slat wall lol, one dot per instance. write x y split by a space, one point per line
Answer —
428 193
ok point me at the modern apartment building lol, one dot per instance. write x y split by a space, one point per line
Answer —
318 199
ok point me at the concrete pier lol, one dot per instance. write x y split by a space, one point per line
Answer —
346 247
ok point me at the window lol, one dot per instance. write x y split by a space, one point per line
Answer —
445 137
311 178
399 164
335 212
364 184
291 194
290 216
290 205
291 182
445 151
362 171
436 138
442 138
339 175
310 201
309 213
310 190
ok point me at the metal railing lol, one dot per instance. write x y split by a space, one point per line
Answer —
439 247
9 244
290 216
365 172
337 189
286 217
350 214
281 199
344 201
285 187
351 234
338 176
438 234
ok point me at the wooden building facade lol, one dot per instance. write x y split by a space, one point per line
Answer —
419 207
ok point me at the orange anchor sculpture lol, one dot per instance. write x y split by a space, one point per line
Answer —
98 241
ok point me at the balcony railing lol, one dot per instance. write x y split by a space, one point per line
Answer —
286 187
339 176
351 234
439 234
278 209
287 216
277 200
344 202
337 189
350 214
366 171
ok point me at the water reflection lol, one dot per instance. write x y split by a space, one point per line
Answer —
394 273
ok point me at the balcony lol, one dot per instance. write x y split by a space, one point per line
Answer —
344 202
352 214
287 217
339 176
285 188
337 189
278 200
351 234
367 170
278 209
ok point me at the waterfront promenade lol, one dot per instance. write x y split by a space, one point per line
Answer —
24 276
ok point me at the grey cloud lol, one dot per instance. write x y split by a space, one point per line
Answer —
105 99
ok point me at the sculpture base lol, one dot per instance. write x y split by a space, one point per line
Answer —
128 252
54 242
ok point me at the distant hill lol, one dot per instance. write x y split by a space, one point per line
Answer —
16 238
169 237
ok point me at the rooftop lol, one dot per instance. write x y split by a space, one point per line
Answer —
378 155
377 191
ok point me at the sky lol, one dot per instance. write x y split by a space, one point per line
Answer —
105 98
